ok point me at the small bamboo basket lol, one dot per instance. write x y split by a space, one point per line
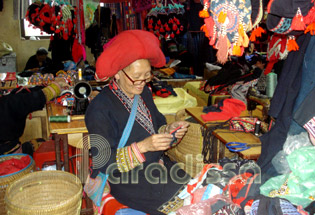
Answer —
188 151
45 192
6 180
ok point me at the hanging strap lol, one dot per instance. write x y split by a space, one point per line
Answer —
128 127
97 196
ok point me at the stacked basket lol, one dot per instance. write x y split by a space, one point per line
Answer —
6 180
45 192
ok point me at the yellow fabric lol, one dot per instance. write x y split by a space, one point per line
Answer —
172 104
193 86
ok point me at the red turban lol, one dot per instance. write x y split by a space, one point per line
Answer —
127 47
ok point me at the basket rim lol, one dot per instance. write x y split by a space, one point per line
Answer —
8 155
63 203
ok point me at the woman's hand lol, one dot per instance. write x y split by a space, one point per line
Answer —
180 132
156 142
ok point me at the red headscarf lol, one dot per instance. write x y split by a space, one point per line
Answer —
127 47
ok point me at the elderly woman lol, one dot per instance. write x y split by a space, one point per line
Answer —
143 179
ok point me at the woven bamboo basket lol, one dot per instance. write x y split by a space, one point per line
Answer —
188 151
6 180
45 192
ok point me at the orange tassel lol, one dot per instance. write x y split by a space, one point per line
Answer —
204 14
292 45
310 28
222 17
204 29
298 22
252 36
257 32
223 47
237 50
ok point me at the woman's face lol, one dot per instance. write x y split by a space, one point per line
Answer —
138 70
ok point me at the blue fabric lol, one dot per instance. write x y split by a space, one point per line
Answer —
129 211
307 83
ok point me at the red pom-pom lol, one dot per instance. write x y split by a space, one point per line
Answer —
162 30
156 27
42 23
167 28
177 32
172 35
174 27
159 22
181 28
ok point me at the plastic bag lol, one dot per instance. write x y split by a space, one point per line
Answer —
295 142
299 186
291 144
301 162
280 163
5 49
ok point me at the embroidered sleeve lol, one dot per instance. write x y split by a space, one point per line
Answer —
129 157
310 126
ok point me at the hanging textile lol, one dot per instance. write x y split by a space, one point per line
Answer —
53 18
165 21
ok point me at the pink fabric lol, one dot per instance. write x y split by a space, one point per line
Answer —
197 195
231 108
202 207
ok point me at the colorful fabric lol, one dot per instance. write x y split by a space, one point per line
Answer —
143 116
231 108
310 127
226 26
245 124
52 91
129 157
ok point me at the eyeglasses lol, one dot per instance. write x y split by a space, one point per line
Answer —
138 82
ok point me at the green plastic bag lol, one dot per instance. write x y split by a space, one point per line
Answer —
299 186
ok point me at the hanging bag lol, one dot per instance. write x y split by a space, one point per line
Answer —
94 188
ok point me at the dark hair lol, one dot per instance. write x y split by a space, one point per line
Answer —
42 51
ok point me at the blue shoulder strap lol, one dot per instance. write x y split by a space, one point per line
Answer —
97 197
127 130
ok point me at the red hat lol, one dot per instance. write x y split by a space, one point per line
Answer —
127 47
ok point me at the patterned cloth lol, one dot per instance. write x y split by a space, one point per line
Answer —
143 116
310 126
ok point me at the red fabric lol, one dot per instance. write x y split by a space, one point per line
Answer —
231 108
112 205
14 165
77 51
127 47
112 1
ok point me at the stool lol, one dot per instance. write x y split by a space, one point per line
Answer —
45 153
